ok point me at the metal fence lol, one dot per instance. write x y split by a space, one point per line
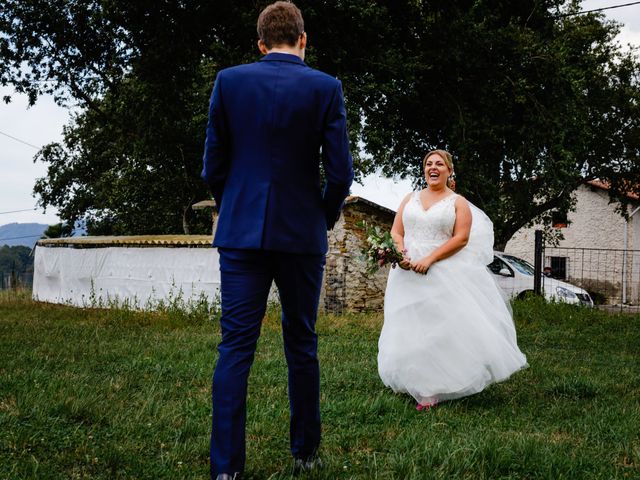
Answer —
15 279
612 277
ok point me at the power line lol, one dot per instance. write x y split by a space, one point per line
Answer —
17 211
18 140
599 9
17 238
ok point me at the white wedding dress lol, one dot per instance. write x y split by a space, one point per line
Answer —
449 333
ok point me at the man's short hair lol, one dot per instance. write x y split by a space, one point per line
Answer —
280 24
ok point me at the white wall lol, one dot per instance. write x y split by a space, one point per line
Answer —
594 224
138 276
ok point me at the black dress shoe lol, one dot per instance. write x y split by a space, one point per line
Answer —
301 465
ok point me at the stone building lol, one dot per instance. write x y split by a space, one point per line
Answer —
347 286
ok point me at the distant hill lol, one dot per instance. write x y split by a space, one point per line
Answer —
26 234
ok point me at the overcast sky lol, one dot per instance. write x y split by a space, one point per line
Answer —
43 124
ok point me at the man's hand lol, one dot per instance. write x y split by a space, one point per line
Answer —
422 265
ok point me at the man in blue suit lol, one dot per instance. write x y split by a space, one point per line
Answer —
271 124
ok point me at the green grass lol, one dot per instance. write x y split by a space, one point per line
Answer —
120 394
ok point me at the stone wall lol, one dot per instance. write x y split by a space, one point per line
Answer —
347 286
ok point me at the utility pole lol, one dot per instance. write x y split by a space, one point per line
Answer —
537 263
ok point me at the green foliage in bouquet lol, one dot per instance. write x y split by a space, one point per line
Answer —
379 249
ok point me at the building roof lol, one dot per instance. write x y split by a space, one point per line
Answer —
201 205
352 199
129 241
605 186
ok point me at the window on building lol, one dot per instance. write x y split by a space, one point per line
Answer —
558 267
559 219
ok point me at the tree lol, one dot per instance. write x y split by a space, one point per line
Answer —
530 102
141 74
15 258
58 230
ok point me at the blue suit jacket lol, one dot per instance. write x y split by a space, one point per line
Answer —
271 124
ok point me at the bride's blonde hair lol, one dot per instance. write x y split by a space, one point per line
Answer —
448 160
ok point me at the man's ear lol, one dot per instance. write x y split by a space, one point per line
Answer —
303 41
262 47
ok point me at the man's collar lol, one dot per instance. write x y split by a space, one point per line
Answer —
282 57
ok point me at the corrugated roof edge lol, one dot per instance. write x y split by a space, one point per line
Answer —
189 241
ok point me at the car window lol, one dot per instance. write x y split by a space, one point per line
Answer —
497 265
522 266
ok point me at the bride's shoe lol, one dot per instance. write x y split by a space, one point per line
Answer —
420 407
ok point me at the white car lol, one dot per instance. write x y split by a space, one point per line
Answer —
515 276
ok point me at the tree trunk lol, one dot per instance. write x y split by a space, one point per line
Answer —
186 216
499 245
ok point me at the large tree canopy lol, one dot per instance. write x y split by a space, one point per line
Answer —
530 101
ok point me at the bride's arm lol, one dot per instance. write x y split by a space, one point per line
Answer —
397 232
457 241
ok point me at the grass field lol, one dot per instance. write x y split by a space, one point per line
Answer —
118 394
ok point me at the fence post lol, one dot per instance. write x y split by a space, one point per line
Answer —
14 280
537 264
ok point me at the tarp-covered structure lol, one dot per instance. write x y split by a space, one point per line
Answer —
139 271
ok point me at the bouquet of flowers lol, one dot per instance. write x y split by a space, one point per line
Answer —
379 249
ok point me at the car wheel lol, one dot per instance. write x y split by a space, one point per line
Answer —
526 294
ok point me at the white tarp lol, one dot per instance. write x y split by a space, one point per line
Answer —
139 277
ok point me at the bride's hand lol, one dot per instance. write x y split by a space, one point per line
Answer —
422 265
405 263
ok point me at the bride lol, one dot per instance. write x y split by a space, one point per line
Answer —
447 331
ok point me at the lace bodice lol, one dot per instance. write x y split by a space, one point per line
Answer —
425 230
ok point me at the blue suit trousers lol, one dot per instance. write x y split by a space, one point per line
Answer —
246 277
